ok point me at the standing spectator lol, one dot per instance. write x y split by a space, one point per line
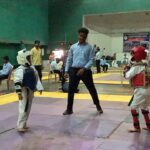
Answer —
97 58
114 62
79 62
95 48
7 67
37 58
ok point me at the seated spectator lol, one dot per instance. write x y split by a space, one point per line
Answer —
7 67
104 64
56 67
51 57
59 64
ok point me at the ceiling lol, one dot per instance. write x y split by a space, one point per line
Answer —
119 23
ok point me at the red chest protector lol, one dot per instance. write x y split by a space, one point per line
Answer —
139 80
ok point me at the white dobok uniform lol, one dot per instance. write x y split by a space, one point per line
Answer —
141 97
26 81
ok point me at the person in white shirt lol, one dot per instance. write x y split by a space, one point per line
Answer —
56 67
97 58
7 67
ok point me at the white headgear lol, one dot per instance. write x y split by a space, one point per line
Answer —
22 57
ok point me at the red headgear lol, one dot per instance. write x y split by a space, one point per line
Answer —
138 53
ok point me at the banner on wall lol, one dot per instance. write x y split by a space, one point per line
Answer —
135 39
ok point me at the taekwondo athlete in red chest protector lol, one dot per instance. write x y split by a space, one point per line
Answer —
139 77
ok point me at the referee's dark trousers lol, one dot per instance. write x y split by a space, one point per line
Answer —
74 80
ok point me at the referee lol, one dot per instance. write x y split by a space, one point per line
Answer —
79 62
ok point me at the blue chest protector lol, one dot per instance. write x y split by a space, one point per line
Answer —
29 79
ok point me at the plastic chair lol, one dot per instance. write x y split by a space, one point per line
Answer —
50 75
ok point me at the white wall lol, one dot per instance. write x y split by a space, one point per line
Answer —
117 46
101 40
117 43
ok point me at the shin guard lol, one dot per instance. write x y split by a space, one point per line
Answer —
146 117
135 116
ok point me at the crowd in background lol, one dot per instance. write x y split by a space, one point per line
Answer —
57 64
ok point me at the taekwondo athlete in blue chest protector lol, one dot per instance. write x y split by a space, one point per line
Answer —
26 81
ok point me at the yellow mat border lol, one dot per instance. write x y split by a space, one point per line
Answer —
9 98
95 76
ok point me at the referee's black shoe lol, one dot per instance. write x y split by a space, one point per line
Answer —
68 112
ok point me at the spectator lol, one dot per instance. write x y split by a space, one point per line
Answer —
37 58
56 67
97 58
51 56
104 64
114 62
7 67
95 48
